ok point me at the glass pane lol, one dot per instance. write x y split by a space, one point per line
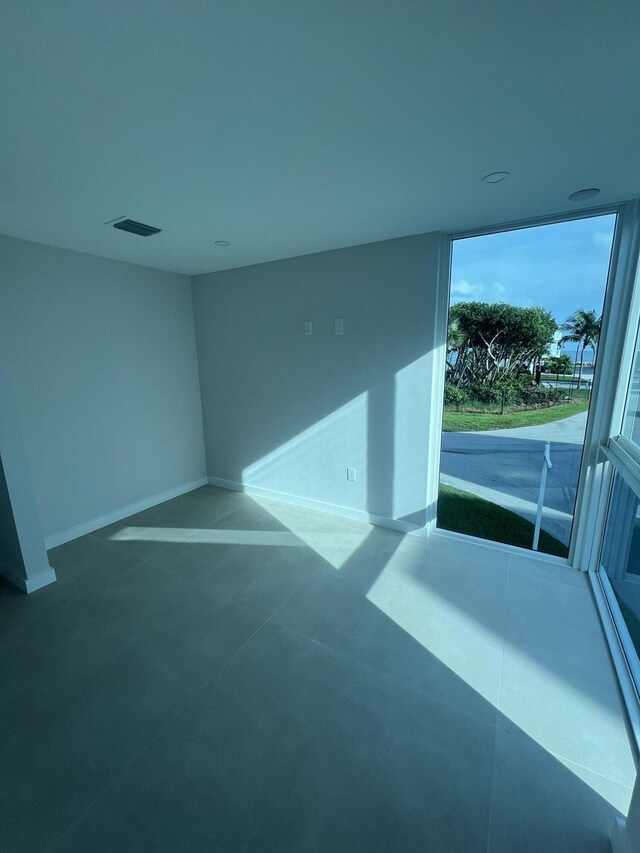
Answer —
621 554
631 425
524 324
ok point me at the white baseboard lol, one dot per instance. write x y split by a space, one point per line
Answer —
501 546
33 583
118 514
321 506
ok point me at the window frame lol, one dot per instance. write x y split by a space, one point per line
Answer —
623 257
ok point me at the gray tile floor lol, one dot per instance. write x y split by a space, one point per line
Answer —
222 673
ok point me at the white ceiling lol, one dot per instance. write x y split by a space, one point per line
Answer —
295 126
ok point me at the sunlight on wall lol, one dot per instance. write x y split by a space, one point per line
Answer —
382 433
410 440
314 463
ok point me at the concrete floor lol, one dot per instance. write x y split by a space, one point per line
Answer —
221 673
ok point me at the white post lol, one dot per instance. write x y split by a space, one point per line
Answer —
546 466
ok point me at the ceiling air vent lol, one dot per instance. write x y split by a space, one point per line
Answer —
138 228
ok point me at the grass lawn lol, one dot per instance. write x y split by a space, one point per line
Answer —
465 513
567 377
465 421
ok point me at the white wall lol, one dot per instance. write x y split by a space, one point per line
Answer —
288 412
101 359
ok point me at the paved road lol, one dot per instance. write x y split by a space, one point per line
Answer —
551 383
504 467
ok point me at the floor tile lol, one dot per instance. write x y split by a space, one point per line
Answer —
530 565
362 716
99 623
332 612
295 748
538 804
454 609
467 550
618 795
103 702
258 576
80 565
192 511
144 540
297 525
558 683
250 517
365 553
87 559
300 519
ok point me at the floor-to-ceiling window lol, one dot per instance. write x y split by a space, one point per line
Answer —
619 561
524 324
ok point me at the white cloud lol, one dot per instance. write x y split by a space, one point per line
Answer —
602 239
466 290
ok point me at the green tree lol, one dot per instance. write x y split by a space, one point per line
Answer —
559 363
490 340
583 329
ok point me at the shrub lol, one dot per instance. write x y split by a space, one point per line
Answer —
514 388
509 389
487 394
561 364
556 395
535 396
454 396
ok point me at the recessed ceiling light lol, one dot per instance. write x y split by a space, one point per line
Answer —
222 243
583 195
495 177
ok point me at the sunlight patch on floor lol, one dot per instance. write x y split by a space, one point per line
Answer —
454 620
452 604
152 534
465 646
276 538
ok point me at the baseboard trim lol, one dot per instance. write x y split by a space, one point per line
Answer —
442 533
118 514
33 583
321 506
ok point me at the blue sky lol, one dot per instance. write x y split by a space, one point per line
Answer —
560 267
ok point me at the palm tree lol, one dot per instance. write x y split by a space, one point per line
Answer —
582 328
456 341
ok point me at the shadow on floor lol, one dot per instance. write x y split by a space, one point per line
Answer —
203 695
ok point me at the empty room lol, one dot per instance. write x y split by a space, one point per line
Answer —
319 426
